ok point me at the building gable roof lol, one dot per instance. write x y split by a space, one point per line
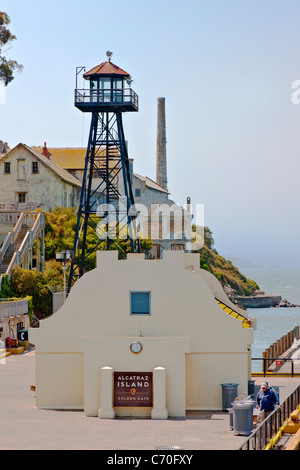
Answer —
151 184
60 172
72 158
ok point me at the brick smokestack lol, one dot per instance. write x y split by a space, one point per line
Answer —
161 145
45 151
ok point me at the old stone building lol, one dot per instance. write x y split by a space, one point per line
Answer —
30 180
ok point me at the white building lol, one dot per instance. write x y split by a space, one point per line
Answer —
29 181
142 337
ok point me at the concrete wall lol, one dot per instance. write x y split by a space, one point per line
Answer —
187 333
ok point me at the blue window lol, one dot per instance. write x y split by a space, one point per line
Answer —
137 193
140 303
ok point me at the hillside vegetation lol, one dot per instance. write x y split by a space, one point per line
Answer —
223 269
59 235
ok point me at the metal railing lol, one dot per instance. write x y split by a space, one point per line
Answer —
36 220
109 96
27 243
271 425
281 361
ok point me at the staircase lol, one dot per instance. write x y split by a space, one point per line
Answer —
17 248
14 247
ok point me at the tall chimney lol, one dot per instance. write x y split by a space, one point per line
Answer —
161 145
45 151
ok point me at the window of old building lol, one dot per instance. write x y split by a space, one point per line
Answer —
21 197
35 167
7 168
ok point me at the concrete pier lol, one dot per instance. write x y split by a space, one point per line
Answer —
23 426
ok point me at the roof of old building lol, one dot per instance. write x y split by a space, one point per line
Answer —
73 158
106 68
70 158
151 184
58 170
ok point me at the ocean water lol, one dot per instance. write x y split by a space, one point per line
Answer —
273 323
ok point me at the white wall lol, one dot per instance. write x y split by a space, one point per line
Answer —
199 344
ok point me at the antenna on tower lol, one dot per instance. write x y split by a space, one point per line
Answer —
109 54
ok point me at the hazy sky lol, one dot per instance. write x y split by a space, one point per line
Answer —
226 69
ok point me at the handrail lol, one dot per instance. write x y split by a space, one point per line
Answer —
10 217
11 236
110 95
270 426
5 246
246 322
17 227
28 241
11 264
39 221
293 360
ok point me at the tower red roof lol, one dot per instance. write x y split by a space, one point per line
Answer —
106 68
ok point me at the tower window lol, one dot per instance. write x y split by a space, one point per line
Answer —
7 168
139 303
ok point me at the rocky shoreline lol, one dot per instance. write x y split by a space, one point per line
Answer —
286 303
262 300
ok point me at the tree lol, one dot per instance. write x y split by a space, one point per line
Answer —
60 233
25 282
7 67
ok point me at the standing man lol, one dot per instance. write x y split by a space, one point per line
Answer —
266 399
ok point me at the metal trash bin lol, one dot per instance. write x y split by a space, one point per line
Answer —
229 393
251 384
230 410
243 417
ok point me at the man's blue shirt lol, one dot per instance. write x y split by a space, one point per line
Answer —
266 400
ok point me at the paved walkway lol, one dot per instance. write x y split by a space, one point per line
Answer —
23 426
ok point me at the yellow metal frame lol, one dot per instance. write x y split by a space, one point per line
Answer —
246 322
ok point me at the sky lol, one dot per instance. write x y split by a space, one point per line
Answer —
226 69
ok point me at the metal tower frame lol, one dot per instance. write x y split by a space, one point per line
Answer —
106 207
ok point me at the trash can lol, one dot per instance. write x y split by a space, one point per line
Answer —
242 417
230 410
229 393
251 384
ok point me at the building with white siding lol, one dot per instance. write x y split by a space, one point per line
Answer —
30 180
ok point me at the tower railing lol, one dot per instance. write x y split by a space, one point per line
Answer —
108 96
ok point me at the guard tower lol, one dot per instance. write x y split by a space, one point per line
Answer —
106 211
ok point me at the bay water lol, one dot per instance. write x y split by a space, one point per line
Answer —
273 322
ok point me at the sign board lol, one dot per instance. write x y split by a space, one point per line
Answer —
278 363
133 389
22 335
